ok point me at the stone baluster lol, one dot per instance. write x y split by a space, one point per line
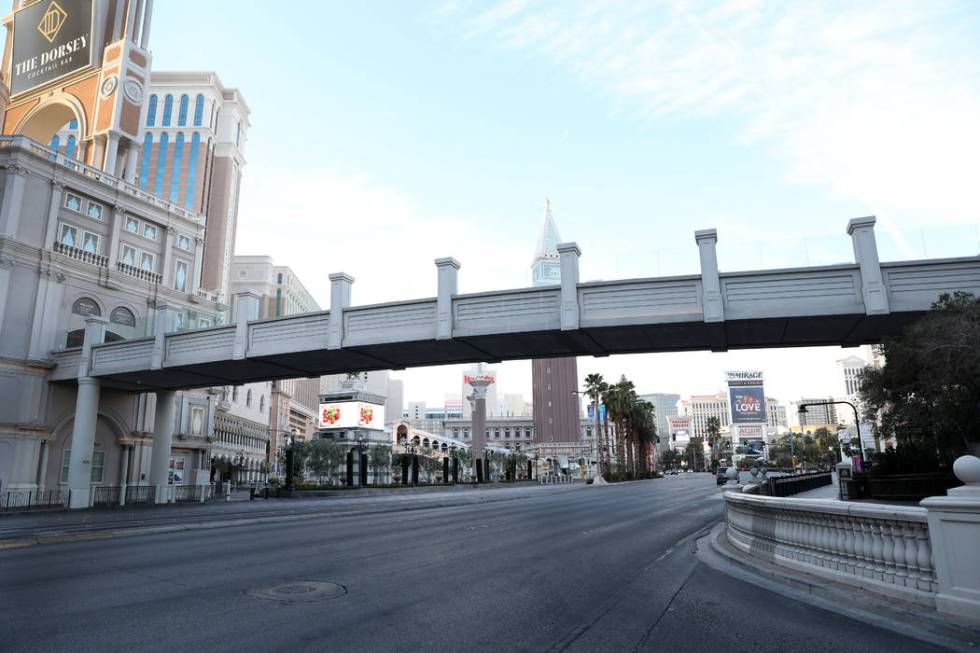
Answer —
864 547
898 555
888 552
877 550
911 554
923 559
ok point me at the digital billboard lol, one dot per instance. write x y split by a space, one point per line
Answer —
52 38
748 404
351 414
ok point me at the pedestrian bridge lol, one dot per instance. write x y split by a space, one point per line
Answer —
844 305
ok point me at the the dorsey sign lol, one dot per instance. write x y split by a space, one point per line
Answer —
51 39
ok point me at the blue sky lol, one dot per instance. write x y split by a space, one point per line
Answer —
385 134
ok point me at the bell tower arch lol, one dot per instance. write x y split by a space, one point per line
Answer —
83 62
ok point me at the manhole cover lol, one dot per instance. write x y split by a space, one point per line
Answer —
299 591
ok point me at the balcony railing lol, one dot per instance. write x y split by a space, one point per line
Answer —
82 255
139 273
101 176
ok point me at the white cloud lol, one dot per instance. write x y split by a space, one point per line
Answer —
874 100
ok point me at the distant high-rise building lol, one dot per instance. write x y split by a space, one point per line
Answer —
513 405
703 407
294 402
194 134
664 406
416 410
553 380
818 415
851 369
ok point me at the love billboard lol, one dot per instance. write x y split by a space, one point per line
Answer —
748 404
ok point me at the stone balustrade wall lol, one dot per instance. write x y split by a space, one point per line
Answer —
880 548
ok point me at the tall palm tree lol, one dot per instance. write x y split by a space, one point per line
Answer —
595 387
713 431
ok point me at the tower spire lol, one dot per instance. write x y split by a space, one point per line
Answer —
549 238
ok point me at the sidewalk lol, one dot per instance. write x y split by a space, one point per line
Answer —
825 492
913 621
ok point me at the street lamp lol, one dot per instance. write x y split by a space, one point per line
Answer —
290 459
857 421
361 473
595 451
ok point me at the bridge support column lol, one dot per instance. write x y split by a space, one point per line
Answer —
163 435
569 254
86 419
862 233
163 321
712 304
340 287
479 402
448 276
246 308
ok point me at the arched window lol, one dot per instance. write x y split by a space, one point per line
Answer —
151 111
55 142
178 161
248 398
122 315
234 393
182 111
73 124
198 110
168 109
145 162
262 403
86 306
161 164
192 170
70 147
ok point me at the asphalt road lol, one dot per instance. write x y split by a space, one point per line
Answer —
524 569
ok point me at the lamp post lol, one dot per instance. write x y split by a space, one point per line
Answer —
290 459
594 450
361 473
857 420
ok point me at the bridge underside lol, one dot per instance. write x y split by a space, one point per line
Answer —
836 330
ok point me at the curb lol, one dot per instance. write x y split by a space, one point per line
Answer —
896 616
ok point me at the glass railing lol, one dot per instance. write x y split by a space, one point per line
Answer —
949 241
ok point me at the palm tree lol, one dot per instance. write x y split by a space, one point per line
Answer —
595 387
713 431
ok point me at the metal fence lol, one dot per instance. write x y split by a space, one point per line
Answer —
137 494
786 486
20 500
188 493
106 495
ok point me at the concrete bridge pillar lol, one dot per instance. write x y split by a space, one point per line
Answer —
448 275
568 255
712 304
163 435
479 402
86 418
246 308
340 287
163 320
862 233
